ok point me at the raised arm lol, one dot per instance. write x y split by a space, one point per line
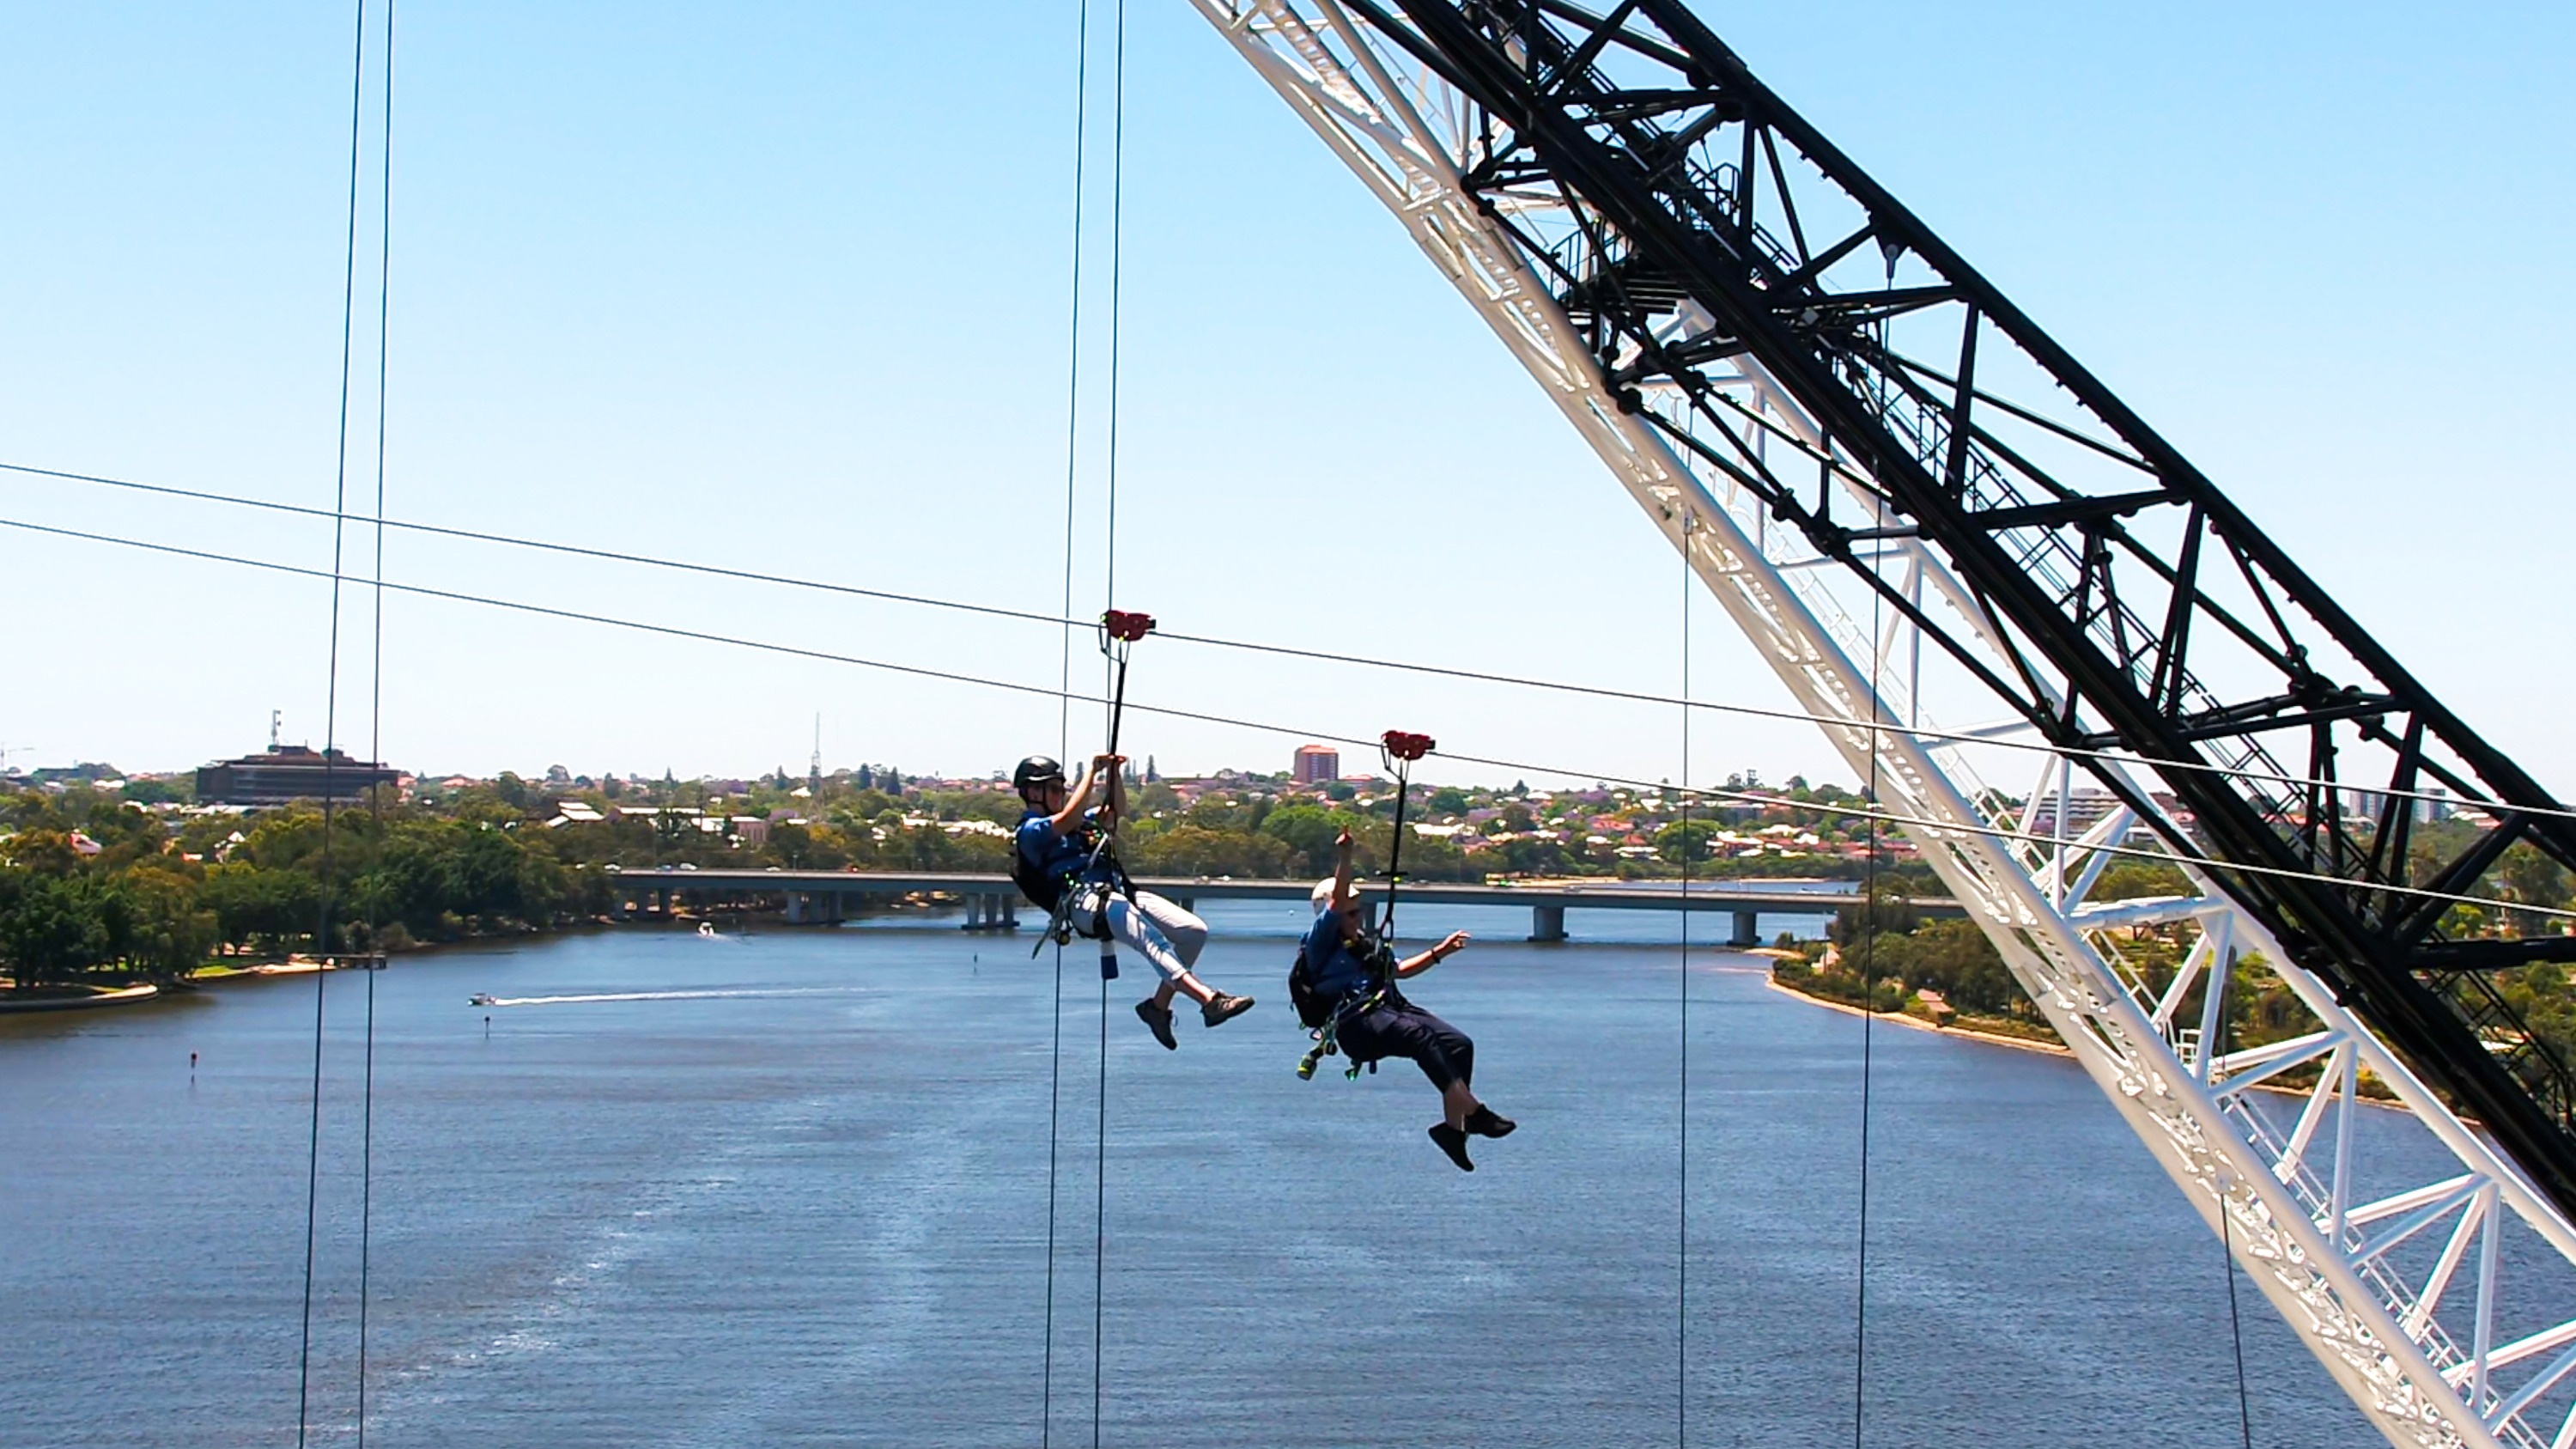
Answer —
1069 819
1450 945
1342 893
1116 809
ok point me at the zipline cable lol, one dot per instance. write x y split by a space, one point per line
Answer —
1270 727
331 726
1064 685
376 705
1066 620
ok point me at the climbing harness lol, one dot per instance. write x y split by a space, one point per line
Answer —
1323 1020
1102 873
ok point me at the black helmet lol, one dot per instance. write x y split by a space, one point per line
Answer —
1034 771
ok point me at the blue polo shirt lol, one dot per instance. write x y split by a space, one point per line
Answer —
1337 970
1054 855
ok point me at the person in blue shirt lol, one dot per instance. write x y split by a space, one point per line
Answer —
1357 973
1053 851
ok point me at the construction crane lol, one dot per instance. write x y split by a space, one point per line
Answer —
1906 494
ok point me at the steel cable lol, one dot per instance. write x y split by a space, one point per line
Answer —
1109 599
376 706
1288 651
1272 727
1064 687
330 727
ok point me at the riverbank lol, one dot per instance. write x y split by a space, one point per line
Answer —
1964 1028
55 999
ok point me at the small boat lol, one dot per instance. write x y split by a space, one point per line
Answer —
481 998
706 928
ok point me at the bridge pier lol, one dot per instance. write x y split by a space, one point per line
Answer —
1748 931
992 912
1547 923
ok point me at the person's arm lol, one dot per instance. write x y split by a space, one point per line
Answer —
1069 819
1451 945
1342 892
1116 808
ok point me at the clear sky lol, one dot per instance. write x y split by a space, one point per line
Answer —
785 287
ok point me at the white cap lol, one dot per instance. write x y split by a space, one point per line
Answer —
1322 895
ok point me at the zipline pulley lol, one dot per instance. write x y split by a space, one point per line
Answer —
1399 749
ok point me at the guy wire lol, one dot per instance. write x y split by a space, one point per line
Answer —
1064 689
330 729
1689 854
1965 738
1272 727
376 709
1109 591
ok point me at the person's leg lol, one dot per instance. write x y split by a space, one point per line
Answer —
1138 931
1400 1032
1460 1053
1188 936
1187 933
1431 1043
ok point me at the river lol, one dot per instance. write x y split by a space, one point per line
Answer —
792 1188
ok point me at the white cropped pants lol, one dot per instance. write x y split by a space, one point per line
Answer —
1168 937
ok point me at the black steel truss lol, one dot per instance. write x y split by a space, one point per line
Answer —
1688 219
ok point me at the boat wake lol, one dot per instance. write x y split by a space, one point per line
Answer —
744 995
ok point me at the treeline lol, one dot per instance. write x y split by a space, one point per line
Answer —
1881 951
93 888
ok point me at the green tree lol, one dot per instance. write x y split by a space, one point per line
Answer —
1686 842
53 927
169 929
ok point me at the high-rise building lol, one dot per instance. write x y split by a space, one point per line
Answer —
1317 765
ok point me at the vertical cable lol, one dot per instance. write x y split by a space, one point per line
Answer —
1064 686
330 729
2221 970
376 706
1868 1005
1099 1212
1681 1260
1109 591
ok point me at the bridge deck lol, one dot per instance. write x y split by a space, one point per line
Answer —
993 901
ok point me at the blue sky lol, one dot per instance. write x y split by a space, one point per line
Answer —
784 287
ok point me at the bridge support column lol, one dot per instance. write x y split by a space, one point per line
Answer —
1748 931
1007 907
835 907
974 914
1547 923
798 903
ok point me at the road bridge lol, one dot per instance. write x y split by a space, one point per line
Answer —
824 897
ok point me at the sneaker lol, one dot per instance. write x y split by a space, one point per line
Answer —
1158 1020
1222 1008
1485 1122
1454 1142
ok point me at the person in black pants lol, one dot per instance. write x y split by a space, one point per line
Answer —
1351 969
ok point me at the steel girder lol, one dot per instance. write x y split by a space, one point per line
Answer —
1764 446
1691 218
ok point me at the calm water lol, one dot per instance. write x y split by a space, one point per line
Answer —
798 1195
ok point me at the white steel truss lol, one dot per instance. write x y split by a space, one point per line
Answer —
2395 1279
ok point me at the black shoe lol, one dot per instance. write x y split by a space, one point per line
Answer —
1454 1142
1222 1008
1484 1123
1158 1020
